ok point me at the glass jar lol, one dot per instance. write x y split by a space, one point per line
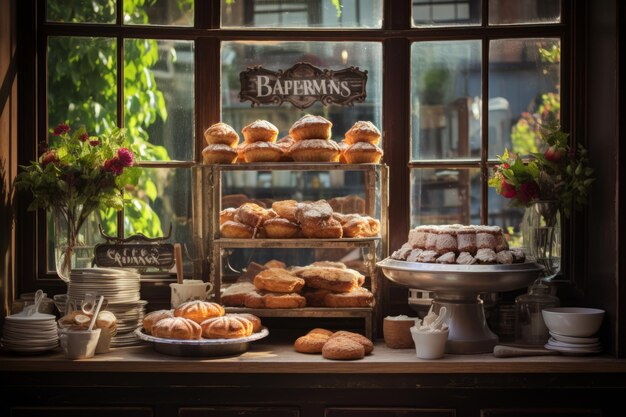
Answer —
529 326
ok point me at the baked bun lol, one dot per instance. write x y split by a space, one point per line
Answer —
363 153
199 311
107 320
315 297
278 280
286 209
321 229
318 330
359 297
177 328
221 133
285 143
262 152
281 300
328 278
311 343
256 322
311 127
363 132
218 154
235 294
315 150
280 228
152 318
254 299
253 215
360 226
226 327
235 230
227 214
260 131
342 348
359 338
275 264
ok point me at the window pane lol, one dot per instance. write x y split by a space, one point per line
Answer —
302 13
445 196
159 12
446 12
504 12
524 92
237 56
502 214
80 11
162 196
445 99
159 98
82 83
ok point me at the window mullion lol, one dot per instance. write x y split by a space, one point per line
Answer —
120 108
484 131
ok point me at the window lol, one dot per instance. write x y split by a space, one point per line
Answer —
166 70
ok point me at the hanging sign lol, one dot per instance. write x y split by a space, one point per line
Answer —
137 251
302 85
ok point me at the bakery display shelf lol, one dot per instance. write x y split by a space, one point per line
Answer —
296 243
292 166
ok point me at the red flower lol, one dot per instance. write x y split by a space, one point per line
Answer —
506 166
61 129
507 190
94 142
554 154
84 137
126 157
528 191
49 157
113 165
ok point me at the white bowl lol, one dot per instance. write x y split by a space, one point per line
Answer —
573 321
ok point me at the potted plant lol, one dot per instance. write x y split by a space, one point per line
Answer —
432 91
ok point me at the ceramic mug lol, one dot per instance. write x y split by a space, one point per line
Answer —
429 344
189 290
79 344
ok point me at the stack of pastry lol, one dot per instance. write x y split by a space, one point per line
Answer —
311 135
200 319
464 245
221 142
290 219
360 144
259 143
341 345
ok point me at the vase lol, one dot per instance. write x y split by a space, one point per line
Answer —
541 234
71 240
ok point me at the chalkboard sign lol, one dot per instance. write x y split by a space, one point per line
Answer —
302 85
137 251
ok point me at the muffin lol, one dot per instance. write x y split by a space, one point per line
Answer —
363 132
219 154
311 127
262 152
260 131
363 153
315 150
221 133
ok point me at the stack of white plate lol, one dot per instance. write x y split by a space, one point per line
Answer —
121 290
573 345
34 333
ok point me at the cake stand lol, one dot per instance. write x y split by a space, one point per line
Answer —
457 287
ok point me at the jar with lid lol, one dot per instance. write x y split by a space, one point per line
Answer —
530 328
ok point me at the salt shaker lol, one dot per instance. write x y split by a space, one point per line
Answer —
529 326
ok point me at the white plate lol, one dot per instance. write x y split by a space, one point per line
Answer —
557 343
37 317
572 339
573 351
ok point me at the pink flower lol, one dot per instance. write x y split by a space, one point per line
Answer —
507 190
506 166
528 191
61 129
113 165
49 157
94 142
84 137
126 157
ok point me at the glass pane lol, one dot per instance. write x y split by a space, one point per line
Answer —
445 196
505 12
237 56
445 99
82 83
524 92
159 98
302 13
161 197
446 12
80 11
502 214
159 12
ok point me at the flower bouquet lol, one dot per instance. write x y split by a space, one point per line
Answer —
74 175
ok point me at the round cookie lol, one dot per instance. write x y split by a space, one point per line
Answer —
343 348
367 344
311 343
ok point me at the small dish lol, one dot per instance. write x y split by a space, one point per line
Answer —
555 342
571 339
573 351
573 321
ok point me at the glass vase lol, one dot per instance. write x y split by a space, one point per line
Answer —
541 234
72 241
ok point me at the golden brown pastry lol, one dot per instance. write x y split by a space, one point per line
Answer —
218 154
221 133
363 132
318 330
363 153
315 297
236 230
328 278
226 327
280 228
278 280
315 150
262 152
343 348
311 343
198 310
317 210
254 299
281 300
260 131
286 209
343 147
331 264
359 338
285 143
227 214
321 229
253 215
177 328
360 226
256 322
359 297
275 264
152 318
311 127
235 294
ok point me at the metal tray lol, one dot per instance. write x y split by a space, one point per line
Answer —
202 347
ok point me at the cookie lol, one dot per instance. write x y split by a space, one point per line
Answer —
367 344
311 343
343 348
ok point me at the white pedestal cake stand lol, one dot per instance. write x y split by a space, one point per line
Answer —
457 287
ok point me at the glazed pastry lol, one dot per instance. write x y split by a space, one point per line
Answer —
331 264
221 133
235 230
327 278
342 348
199 311
227 214
360 297
177 328
226 327
278 280
260 131
235 294
315 150
218 154
359 338
253 215
262 152
311 127
152 318
363 153
361 226
280 228
363 132
286 209
256 322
